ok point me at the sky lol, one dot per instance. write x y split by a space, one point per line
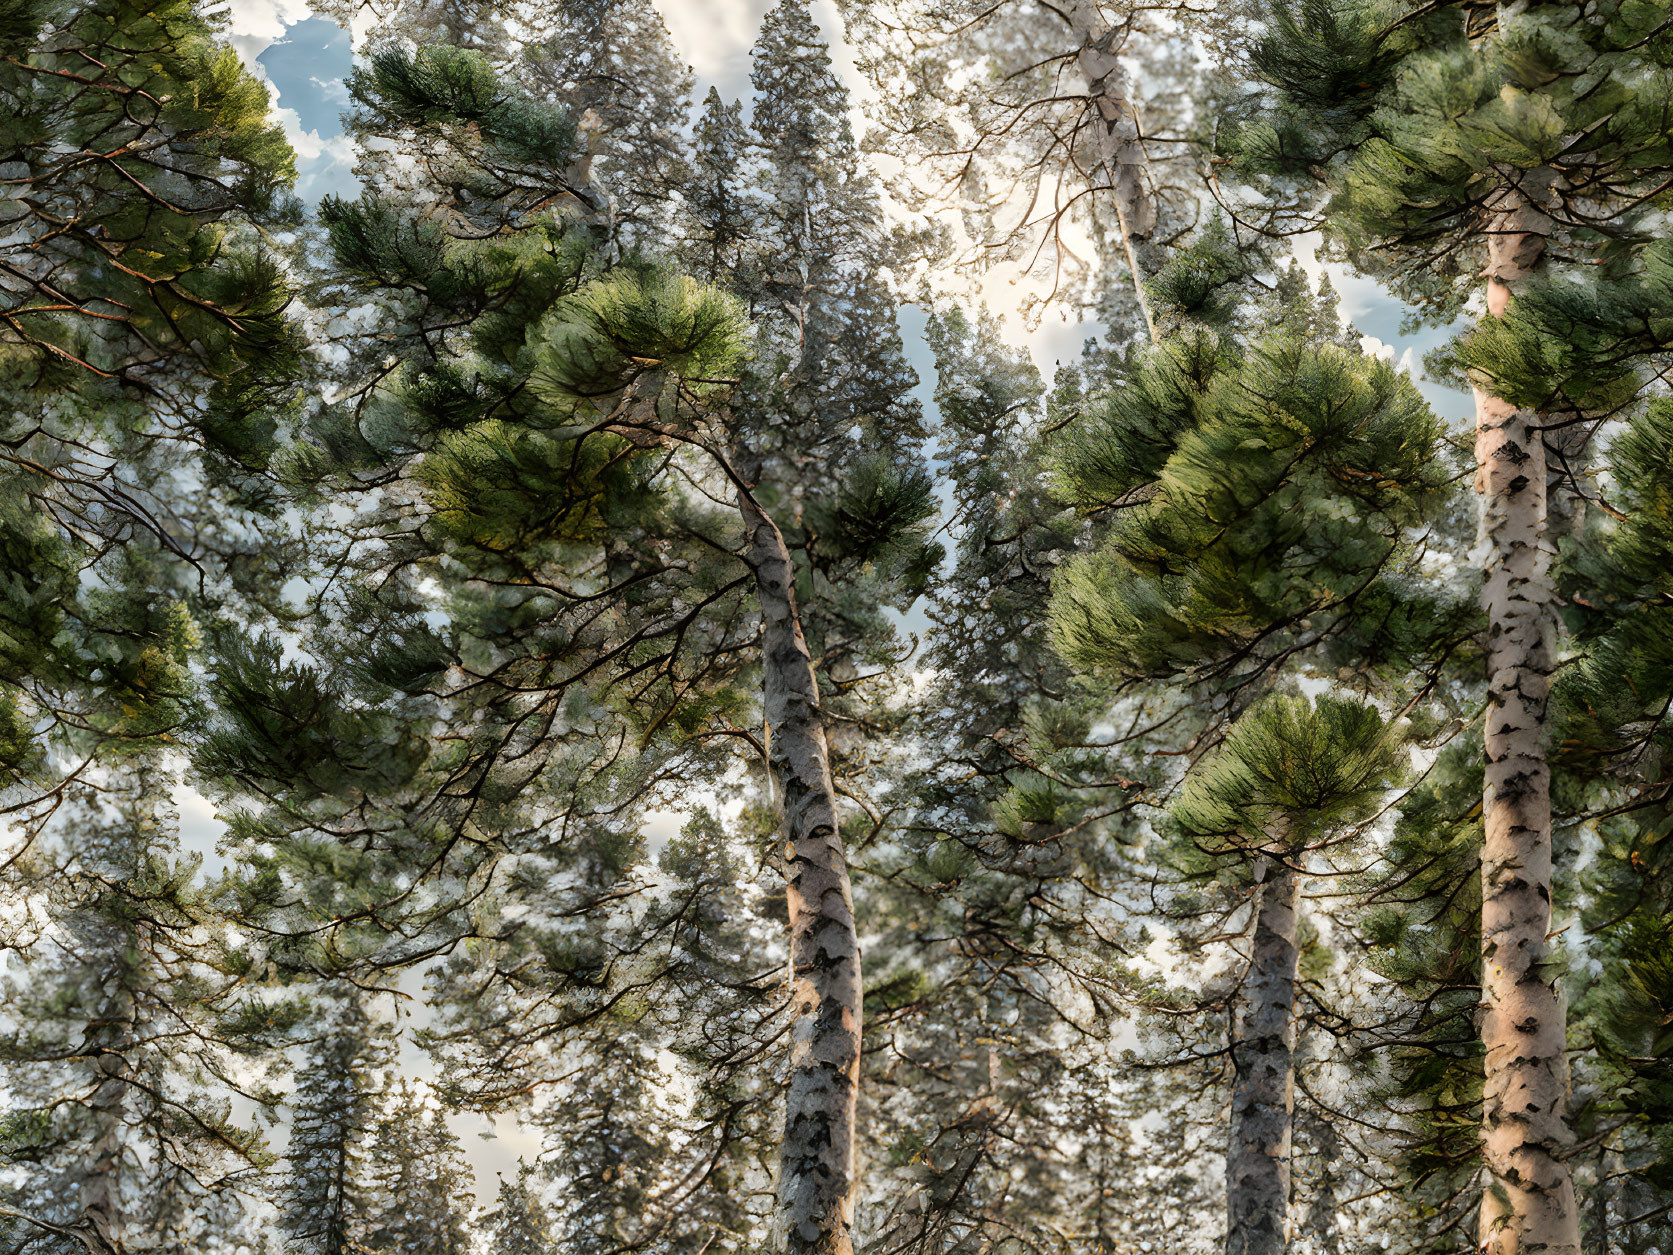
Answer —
305 60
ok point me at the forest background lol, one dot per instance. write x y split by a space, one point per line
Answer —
494 528
306 60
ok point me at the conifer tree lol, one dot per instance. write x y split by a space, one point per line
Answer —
518 1225
657 486
136 137
128 1039
1612 715
417 1189
1027 121
613 64
640 1022
723 218
1447 139
1290 777
322 1203
141 332
1265 503
609 64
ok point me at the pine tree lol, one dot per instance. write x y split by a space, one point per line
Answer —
640 1016
322 1204
615 420
141 332
614 66
610 65
1265 501
417 1188
724 215
518 1225
129 1038
1290 778
1445 137
1027 122
1612 718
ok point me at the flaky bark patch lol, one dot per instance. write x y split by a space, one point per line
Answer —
1528 1206
818 1181
1263 1091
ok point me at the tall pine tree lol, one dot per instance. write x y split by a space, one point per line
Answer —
1458 142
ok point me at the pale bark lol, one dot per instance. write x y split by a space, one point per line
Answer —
1528 1205
1263 1090
817 1171
1120 147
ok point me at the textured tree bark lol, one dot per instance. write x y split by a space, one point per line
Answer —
1528 1205
1116 133
1263 1091
101 1179
818 1181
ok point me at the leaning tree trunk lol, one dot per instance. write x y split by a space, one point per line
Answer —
1528 1205
1263 1090
817 1177
1120 146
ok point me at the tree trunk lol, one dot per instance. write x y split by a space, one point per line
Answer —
817 1177
1528 1205
101 1176
1120 148
1263 1091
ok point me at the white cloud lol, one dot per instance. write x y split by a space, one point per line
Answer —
264 20
1373 347
336 90
715 36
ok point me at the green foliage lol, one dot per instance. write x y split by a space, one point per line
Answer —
1415 120
1200 282
609 334
284 726
184 148
1290 773
1613 704
511 490
1255 492
130 1032
1138 425
441 85
1330 56
879 519
374 241
1578 344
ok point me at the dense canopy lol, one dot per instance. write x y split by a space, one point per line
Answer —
592 690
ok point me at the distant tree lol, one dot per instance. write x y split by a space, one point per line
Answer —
519 1224
322 1204
130 1034
609 64
722 235
418 1189
1027 122
614 65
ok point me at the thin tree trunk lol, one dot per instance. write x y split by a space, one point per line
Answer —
101 1176
1528 1205
1120 147
817 1177
1263 1091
